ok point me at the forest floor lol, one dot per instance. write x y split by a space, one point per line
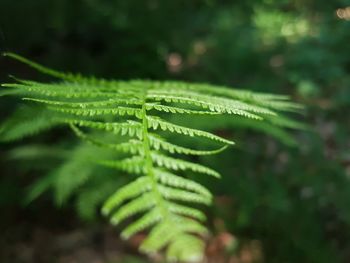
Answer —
48 235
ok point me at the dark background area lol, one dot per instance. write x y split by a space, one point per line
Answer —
284 198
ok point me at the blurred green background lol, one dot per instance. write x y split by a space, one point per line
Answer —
284 196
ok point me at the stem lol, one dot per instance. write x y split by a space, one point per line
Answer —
149 163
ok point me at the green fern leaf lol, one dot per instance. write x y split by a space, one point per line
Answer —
157 123
184 196
146 221
199 102
26 122
134 164
121 111
157 200
187 211
129 191
175 181
178 164
171 109
130 128
142 203
131 146
157 143
87 104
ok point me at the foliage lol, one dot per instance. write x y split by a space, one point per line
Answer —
291 200
98 110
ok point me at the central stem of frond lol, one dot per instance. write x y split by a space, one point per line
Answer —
149 162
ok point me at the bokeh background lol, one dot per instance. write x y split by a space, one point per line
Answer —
284 196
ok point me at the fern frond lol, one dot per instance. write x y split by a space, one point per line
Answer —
157 143
156 123
26 122
134 164
175 181
130 128
178 164
286 122
170 109
95 191
273 101
150 218
184 196
74 172
131 146
37 66
187 211
185 248
142 203
269 101
160 235
62 91
205 104
88 104
8 92
229 105
129 191
158 199
121 111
